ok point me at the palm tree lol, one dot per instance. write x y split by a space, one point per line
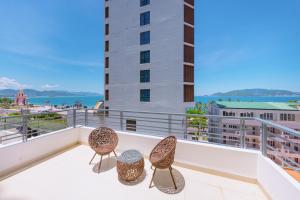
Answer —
78 104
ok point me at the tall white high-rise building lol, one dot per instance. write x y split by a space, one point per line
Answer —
149 55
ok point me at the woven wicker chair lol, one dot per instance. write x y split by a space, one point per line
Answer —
103 141
162 156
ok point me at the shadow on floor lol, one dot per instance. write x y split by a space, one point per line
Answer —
108 163
163 181
9 198
136 182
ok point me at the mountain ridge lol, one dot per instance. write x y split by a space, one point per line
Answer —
46 93
257 93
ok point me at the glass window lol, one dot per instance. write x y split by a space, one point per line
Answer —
106 29
145 38
106 12
293 117
144 2
145 57
145 95
106 95
145 18
106 46
106 79
131 125
107 62
145 76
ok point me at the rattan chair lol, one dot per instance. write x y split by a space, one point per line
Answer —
103 141
162 156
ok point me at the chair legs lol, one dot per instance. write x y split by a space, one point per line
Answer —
100 164
92 158
152 178
170 169
100 160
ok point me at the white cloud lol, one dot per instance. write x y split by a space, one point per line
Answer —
8 83
49 86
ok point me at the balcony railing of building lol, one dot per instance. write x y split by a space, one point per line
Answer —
281 144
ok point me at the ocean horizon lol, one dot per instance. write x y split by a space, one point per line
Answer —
90 101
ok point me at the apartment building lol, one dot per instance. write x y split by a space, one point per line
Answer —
149 55
285 114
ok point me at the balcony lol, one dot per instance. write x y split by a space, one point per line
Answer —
53 164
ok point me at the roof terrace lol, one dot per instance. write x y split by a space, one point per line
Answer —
54 165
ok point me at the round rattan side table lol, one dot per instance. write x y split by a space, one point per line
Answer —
130 165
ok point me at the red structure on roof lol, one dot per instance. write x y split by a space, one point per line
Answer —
21 98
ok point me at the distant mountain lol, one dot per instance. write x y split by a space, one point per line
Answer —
52 93
257 93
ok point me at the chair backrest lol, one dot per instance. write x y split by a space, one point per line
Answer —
103 138
162 156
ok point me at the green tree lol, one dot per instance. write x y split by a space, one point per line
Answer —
196 120
5 102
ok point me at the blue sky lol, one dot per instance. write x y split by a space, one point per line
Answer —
239 44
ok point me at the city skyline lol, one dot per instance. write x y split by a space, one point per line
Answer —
57 45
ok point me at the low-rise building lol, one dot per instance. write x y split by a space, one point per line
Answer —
237 117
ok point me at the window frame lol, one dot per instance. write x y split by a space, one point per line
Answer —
145 76
106 12
145 37
145 97
131 125
145 57
145 18
144 3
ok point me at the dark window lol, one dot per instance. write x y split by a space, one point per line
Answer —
145 37
145 76
144 2
106 12
267 116
106 29
107 62
188 93
130 125
106 46
106 95
145 57
145 18
145 95
106 79
106 111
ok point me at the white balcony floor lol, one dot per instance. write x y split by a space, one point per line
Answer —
68 176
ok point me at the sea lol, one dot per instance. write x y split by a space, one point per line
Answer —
90 101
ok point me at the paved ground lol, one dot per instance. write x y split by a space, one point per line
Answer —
69 177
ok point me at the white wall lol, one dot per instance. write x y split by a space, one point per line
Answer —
276 182
166 46
239 162
19 155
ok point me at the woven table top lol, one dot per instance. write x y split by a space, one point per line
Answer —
130 156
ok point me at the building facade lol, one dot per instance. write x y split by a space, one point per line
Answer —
149 55
284 114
